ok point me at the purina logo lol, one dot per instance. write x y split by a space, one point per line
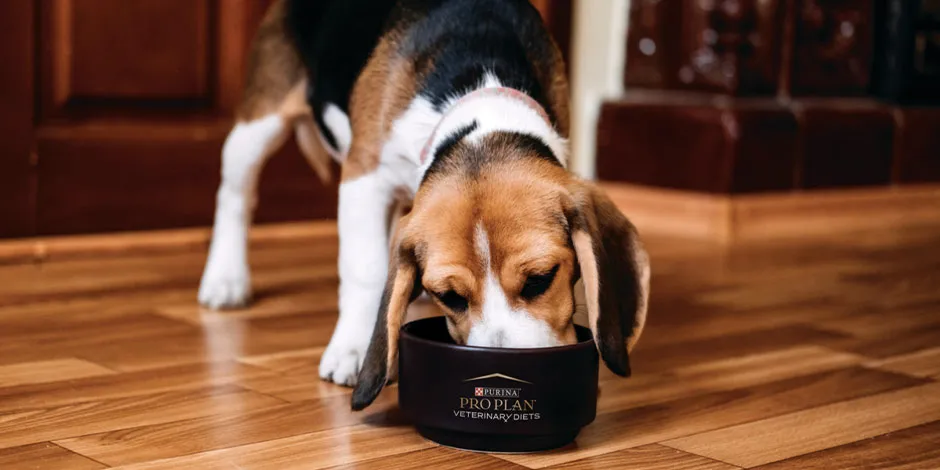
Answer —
497 403
496 392
497 376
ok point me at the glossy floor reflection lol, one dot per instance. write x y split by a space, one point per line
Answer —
818 354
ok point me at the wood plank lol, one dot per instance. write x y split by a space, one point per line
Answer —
649 457
44 455
774 216
744 371
793 434
884 346
737 335
307 451
62 422
243 427
909 449
686 353
118 386
650 424
437 458
295 388
801 214
872 323
49 371
672 212
153 242
923 363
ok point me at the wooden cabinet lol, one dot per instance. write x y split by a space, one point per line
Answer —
776 95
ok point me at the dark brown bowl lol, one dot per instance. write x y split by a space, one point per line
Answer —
495 399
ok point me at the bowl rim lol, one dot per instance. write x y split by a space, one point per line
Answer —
405 334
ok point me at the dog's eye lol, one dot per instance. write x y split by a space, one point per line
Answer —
453 301
536 284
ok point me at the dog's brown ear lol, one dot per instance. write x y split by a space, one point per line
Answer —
381 361
615 273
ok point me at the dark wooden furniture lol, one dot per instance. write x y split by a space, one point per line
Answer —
114 112
739 96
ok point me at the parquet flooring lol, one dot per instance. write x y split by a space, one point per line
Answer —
817 354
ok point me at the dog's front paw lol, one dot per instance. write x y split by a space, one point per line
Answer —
225 288
341 361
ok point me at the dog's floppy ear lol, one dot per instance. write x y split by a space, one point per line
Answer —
614 270
401 288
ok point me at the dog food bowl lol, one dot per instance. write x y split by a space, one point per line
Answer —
495 399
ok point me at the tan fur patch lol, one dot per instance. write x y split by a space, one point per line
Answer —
274 69
643 268
398 303
585 250
553 76
276 83
381 94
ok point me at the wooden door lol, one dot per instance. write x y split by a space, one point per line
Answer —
113 114
17 204
135 98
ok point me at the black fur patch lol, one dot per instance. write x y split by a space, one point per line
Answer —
442 156
453 43
452 156
465 39
335 39
531 145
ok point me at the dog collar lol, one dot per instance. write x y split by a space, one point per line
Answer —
481 93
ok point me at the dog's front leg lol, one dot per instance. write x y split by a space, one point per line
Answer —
364 206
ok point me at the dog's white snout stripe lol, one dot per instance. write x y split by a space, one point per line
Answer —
500 325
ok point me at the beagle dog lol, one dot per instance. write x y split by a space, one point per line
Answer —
459 109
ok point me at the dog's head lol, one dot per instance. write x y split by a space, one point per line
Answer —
498 235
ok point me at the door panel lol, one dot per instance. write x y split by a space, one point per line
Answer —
173 33
142 57
114 113
136 101
17 178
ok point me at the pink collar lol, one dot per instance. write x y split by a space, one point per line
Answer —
485 93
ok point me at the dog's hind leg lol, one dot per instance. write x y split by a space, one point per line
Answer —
265 120
226 281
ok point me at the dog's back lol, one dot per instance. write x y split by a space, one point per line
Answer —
334 39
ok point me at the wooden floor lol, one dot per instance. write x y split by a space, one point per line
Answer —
823 354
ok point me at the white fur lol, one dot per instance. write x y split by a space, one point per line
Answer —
226 281
364 205
338 122
481 243
500 325
495 114
410 133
